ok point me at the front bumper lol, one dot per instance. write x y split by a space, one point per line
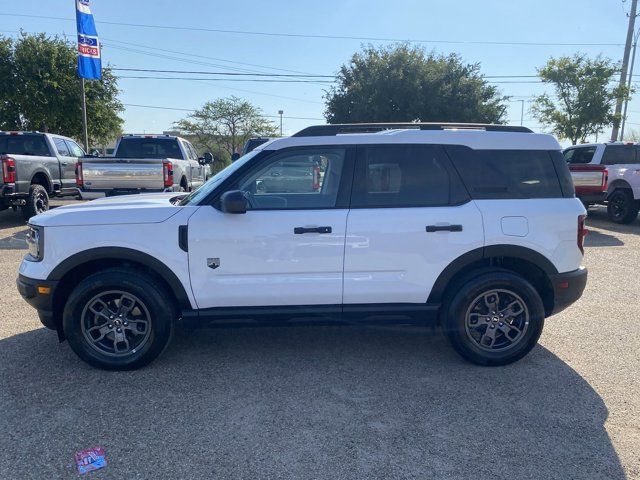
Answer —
39 294
567 288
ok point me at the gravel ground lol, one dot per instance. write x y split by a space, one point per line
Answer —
330 402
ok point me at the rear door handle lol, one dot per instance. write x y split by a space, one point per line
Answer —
444 228
64 163
301 230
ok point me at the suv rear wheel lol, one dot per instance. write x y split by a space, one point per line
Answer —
495 318
621 207
118 319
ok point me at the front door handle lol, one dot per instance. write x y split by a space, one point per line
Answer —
301 230
444 228
64 163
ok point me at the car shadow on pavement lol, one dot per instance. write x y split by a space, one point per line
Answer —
16 241
598 239
318 402
597 218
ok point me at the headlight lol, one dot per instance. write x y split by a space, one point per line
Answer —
35 242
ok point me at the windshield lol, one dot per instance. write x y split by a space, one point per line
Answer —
196 197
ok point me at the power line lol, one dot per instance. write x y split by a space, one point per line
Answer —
222 73
193 110
324 37
258 80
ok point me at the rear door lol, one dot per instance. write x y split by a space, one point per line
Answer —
69 170
67 162
410 217
288 248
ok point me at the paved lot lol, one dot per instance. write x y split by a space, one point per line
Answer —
335 402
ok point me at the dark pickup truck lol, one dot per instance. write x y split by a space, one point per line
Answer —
35 167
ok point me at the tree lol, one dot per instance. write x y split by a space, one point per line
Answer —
224 125
401 83
39 87
584 98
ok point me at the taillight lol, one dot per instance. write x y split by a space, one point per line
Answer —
167 173
316 178
8 170
79 177
582 232
605 179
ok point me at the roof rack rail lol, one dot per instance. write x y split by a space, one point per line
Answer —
342 128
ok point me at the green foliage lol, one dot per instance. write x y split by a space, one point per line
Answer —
223 126
39 86
401 83
584 98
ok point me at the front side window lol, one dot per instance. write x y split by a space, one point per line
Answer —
405 176
619 155
62 147
75 149
305 178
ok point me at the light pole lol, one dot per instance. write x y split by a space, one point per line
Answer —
626 101
280 112
521 111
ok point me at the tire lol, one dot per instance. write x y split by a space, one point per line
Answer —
37 201
501 339
95 331
621 207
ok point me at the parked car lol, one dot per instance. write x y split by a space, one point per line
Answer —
622 164
252 143
144 163
475 227
36 166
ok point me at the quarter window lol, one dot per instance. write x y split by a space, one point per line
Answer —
405 176
308 178
579 155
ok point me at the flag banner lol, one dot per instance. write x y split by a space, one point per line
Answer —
89 62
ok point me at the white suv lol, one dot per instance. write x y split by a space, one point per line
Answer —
472 226
622 162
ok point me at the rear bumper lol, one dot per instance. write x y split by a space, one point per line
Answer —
567 288
9 196
91 194
39 294
592 197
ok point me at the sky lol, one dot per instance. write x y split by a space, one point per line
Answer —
485 32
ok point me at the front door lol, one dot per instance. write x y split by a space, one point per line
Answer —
288 249
410 217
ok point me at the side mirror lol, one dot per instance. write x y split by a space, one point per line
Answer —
235 156
233 201
208 158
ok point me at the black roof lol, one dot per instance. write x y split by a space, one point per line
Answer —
335 129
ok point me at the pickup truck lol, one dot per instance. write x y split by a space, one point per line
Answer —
619 163
144 163
36 166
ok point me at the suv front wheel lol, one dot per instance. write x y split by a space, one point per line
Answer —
118 319
495 318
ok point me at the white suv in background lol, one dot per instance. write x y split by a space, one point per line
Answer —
475 227
622 161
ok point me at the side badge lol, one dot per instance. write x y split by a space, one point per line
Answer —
213 263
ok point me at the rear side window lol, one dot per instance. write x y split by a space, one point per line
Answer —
579 155
62 147
507 174
619 155
149 148
24 145
405 176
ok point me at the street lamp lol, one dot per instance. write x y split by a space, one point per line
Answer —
626 101
280 112
521 110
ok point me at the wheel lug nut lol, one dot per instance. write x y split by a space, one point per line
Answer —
110 326
118 330
501 324
492 326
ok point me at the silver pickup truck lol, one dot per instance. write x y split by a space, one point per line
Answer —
36 166
144 163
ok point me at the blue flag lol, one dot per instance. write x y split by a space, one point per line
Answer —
89 63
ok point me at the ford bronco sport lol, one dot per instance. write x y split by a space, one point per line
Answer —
475 227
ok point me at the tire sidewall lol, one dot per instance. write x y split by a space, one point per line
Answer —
631 206
161 313
29 210
454 321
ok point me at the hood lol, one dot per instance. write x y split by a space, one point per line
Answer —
126 209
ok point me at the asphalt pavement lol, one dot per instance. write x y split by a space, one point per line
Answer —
335 402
